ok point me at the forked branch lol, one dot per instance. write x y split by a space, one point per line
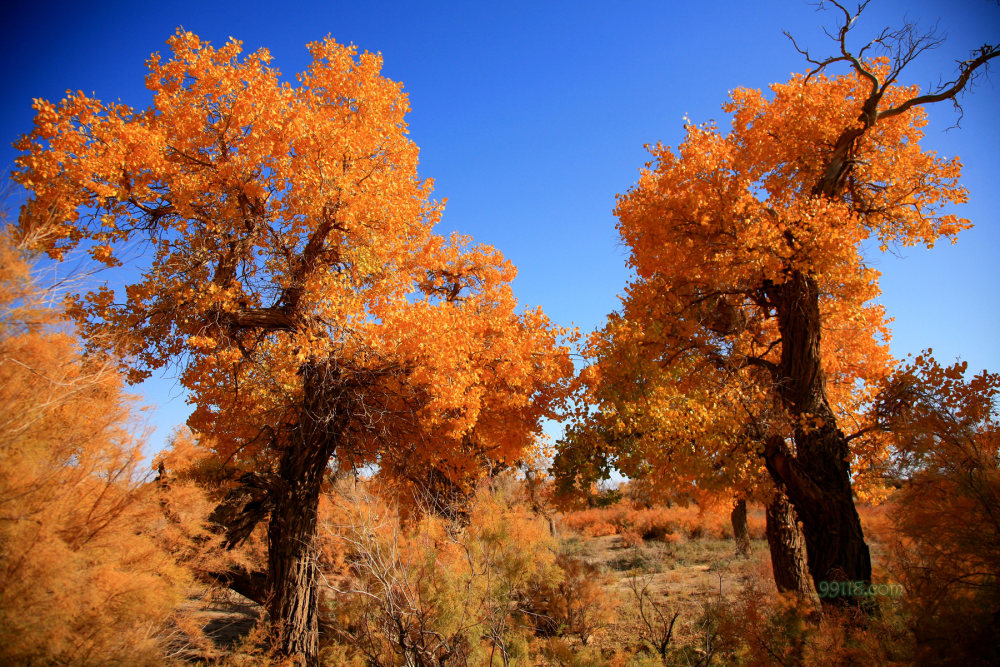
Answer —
902 46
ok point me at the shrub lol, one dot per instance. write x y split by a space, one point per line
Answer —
759 628
81 571
659 522
576 603
433 591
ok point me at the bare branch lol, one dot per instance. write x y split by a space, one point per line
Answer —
968 70
902 46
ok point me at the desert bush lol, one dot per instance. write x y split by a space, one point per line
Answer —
189 489
577 603
559 652
767 628
431 591
659 522
83 578
656 617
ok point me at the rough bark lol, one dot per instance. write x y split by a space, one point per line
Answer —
817 476
741 533
251 585
292 564
293 574
787 547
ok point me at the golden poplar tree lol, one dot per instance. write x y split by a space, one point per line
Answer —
747 245
291 271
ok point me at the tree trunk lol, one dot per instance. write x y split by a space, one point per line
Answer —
817 476
292 551
834 537
741 533
292 572
788 552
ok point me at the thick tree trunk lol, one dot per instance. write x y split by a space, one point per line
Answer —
787 547
817 476
292 570
292 550
741 533
830 522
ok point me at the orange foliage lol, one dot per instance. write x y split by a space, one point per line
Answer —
761 628
429 590
188 490
82 573
659 522
946 538
753 318
289 227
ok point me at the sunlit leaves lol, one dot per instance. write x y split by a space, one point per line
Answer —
687 378
285 226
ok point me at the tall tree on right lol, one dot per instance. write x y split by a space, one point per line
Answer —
747 247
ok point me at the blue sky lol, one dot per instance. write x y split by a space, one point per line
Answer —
531 116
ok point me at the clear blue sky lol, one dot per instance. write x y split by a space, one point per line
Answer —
531 116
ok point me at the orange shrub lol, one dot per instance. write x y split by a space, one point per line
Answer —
600 529
436 590
761 628
576 603
83 577
659 522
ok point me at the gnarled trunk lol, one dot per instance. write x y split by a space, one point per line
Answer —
787 547
291 560
830 522
817 476
741 533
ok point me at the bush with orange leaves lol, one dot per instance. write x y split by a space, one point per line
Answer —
431 590
760 628
428 590
658 522
946 515
578 603
190 484
82 576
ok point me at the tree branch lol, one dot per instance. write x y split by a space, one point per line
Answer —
967 70
274 318
904 46
784 469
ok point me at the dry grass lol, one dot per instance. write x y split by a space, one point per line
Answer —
683 576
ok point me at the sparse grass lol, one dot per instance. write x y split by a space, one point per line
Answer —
683 575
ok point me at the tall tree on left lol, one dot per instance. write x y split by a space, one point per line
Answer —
290 270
